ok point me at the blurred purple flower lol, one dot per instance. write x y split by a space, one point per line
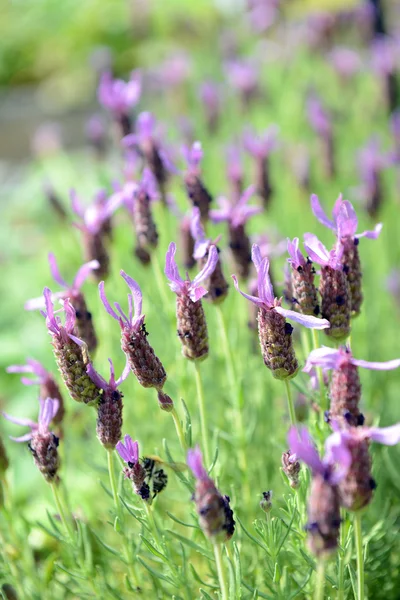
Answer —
243 77
345 61
34 367
129 452
235 214
330 358
318 117
117 95
97 213
195 464
135 318
47 412
261 146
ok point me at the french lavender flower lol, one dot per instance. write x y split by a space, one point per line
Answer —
333 286
48 385
109 410
187 241
142 360
243 77
371 162
216 285
291 467
155 155
43 443
140 206
345 387
119 97
320 121
344 223
324 501
274 332
215 514
304 296
209 93
235 172
95 227
384 63
135 472
195 188
356 488
236 215
70 352
260 148
96 135
84 327
266 501
346 62
191 320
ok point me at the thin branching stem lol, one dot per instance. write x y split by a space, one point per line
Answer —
292 413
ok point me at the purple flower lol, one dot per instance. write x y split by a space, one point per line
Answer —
344 220
95 214
234 168
318 117
342 438
95 130
48 410
187 287
210 96
261 146
118 95
202 243
345 61
384 56
69 291
266 298
271 244
319 254
336 462
236 214
195 463
135 318
129 452
193 156
296 259
371 160
243 76
113 383
53 321
32 366
330 358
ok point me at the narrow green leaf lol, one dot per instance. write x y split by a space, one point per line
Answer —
171 516
206 595
251 537
154 572
107 547
214 461
71 573
105 488
49 532
152 548
256 593
199 580
188 424
190 543
289 527
238 571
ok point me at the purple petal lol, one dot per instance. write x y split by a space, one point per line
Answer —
77 340
296 258
124 374
97 379
55 273
19 369
22 438
265 290
171 269
198 234
320 213
338 454
84 272
145 126
70 316
48 409
77 207
26 381
136 293
253 299
305 320
123 316
315 249
347 221
327 358
20 421
301 444
377 366
123 452
195 463
256 256
197 293
207 270
372 235
385 435
133 448
106 303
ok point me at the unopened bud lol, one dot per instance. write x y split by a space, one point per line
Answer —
164 401
266 502
291 468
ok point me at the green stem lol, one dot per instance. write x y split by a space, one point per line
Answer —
220 570
230 365
111 472
359 551
203 425
160 281
179 430
341 557
320 580
292 413
320 375
61 511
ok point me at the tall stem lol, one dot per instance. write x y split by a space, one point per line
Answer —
292 413
203 425
160 281
61 511
179 430
320 580
341 558
360 557
230 365
220 570
320 375
111 472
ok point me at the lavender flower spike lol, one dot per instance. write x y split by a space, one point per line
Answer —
216 284
109 411
215 513
84 324
192 326
119 97
324 500
70 352
274 333
141 357
134 471
302 280
48 385
320 121
333 286
42 442
260 148
195 188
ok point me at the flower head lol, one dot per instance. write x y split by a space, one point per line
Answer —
331 358
53 321
210 96
32 366
345 61
185 286
336 462
112 383
95 214
236 214
261 146
129 452
118 95
47 412
135 318
319 254
318 117
193 156
344 220
195 463
202 243
266 298
69 291
242 75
